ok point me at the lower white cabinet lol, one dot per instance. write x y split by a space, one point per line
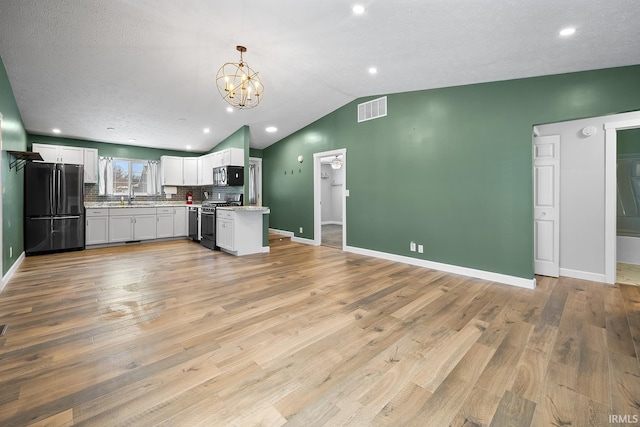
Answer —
239 230
225 224
180 223
120 228
164 223
144 226
97 230
126 224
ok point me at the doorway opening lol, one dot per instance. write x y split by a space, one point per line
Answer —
255 182
329 172
621 251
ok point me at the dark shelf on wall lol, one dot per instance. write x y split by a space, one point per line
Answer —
21 158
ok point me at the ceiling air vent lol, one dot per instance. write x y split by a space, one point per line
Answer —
372 109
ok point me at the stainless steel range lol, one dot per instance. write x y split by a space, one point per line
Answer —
208 221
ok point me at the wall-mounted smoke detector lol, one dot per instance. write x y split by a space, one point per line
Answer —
589 130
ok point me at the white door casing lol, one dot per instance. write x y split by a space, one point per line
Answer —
610 232
546 205
317 191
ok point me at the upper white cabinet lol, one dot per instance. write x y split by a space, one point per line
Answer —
232 157
90 165
205 170
171 170
190 170
60 153
179 170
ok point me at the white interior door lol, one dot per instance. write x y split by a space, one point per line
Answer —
546 200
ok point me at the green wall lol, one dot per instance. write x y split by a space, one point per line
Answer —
14 138
111 150
628 141
449 168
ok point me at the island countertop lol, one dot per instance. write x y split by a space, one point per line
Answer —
260 209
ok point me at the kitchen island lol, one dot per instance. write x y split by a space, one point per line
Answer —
240 230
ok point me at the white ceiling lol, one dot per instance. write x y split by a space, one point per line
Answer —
147 67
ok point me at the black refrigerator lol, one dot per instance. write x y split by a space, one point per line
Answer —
53 207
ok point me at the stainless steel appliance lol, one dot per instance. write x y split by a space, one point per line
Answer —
53 207
228 176
194 223
208 221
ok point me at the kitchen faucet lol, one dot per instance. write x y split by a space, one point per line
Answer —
132 195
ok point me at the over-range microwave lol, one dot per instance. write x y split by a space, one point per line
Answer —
228 176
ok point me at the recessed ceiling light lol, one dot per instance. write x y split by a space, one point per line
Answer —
271 129
206 130
230 109
111 129
188 147
567 31
358 9
132 140
56 130
373 70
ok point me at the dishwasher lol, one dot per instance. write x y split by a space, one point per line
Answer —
194 223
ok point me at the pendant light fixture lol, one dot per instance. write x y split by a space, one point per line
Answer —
336 163
239 84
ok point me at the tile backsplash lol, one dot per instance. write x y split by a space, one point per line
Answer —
91 194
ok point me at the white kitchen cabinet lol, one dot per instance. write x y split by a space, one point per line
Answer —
225 224
97 231
164 222
190 171
239 229
180 221
171 170
179 170
90 158
236 157
231 157
126 224
120 227
59 153
144 227
205 169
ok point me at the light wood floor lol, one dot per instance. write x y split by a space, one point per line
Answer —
172 333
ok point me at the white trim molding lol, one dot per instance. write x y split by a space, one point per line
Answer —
611 192
454 269
12 271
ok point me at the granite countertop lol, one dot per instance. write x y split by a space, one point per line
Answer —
261 209
157 204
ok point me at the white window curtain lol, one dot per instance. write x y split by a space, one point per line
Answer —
153 181
105 176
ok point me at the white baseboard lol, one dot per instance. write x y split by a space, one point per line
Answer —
583 275
303 240
12 271
293 236
464 271
266 249
284 233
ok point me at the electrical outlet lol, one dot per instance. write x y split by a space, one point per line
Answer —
301 230
412 246
420 249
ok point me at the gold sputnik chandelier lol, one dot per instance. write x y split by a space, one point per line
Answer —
239 84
